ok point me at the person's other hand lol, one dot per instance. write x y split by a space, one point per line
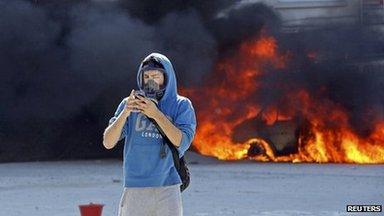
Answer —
146 106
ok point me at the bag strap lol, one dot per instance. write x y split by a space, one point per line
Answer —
166 141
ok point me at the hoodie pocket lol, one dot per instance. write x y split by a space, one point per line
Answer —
143 161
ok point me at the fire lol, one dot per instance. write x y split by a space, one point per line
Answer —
227 100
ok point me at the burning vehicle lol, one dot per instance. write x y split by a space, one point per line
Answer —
296 123
314 95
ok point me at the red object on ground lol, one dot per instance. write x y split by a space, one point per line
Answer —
91 209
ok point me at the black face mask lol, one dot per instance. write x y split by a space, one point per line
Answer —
153 90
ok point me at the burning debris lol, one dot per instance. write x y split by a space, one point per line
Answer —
282 135
271 104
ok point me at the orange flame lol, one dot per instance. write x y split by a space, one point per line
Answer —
221 107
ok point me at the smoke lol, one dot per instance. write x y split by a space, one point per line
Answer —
336 74
105 46
65 66
191 47
27 51
242 23
152 12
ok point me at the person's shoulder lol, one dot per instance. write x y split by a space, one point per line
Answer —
184 107
183 101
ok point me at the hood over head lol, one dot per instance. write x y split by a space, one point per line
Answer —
170 77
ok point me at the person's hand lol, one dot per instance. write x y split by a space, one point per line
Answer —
130 103
146 106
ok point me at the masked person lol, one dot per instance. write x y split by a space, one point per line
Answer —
151 181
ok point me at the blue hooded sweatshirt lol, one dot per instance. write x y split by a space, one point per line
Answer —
142 164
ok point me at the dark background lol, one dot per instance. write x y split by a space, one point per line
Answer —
66 65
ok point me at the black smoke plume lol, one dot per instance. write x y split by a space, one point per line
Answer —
65 65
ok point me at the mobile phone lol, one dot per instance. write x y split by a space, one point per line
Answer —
139 92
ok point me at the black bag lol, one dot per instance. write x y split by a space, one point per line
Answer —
180 164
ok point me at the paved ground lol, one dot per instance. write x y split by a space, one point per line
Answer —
217 188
